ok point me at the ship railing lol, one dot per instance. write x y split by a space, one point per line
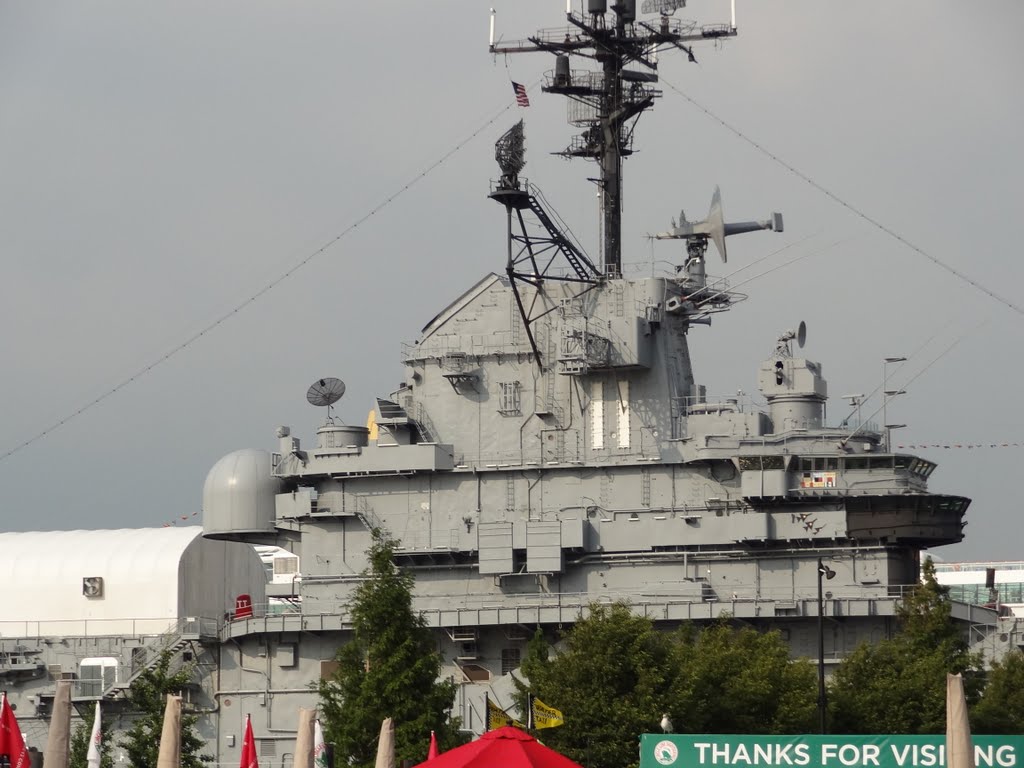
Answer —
568 455
690 592
569 35
479 609
197 627
857 426
429 541
444 347
700 404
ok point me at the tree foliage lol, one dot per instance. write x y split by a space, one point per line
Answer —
899 685
611 682
79 752
617 675
147 700
389 668
741 681
1001 708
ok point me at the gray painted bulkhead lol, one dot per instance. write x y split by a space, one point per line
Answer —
522 492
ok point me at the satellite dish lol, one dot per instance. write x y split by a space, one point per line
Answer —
326 391
801 334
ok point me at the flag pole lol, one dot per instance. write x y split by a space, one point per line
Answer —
487 711
529 713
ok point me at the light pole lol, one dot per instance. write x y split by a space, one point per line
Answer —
823 572
886 393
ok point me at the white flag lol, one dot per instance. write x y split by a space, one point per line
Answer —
93 757
319 747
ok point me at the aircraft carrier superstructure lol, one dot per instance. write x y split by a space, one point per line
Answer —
550 445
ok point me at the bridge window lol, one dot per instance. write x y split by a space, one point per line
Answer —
762 462
286 566
819 463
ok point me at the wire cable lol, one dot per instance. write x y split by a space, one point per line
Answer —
850 207
261 292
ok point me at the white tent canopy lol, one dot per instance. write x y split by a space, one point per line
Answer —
125 581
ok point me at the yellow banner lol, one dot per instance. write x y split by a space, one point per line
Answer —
499 718
545 716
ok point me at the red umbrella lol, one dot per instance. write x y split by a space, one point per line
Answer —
507 747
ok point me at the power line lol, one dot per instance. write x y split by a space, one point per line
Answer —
260 293
850 207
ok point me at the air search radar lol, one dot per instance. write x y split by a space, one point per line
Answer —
664 7
326 392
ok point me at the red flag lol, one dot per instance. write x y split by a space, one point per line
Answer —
11 742
433 751
248 747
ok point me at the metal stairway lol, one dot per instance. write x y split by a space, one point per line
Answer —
577 260
147 657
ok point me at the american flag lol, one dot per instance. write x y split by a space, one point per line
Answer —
521 98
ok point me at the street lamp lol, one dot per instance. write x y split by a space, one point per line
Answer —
886 394
823 572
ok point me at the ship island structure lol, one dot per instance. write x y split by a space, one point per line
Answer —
550 447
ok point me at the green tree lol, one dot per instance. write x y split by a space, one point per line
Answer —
147 699
389 668
1001 708
741 681
611 681
899 685
616 675
78 756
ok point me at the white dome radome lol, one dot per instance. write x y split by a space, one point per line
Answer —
238 495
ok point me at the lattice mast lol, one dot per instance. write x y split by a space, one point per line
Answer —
608 102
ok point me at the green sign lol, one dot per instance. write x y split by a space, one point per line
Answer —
739 751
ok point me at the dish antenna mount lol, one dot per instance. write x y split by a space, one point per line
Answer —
325 392
784 347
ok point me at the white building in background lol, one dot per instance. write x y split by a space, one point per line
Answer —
996 584
135 582
99 607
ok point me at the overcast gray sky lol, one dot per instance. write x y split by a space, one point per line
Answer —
160 163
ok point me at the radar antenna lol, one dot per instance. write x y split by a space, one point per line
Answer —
326 392
510 152
664 7
532 252
607 103
784 346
